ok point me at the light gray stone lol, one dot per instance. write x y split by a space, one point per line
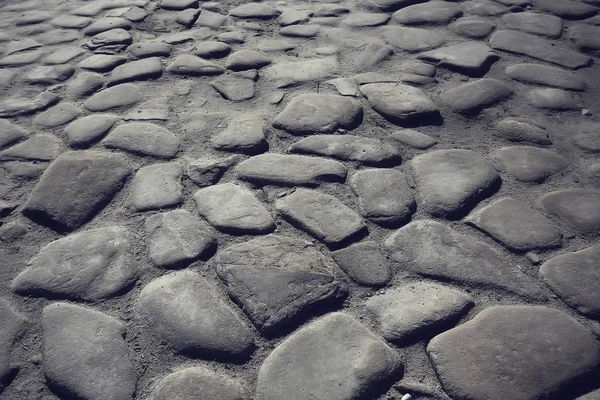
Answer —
431 12
143 138
245 134
554 99
11 327
536 23
188 64
398 102
85 131
578 208
472 97
470 58
414 138
298 72
58 115
523 130
147 68
364 263
546 75
117 96
41 147
198 383
529 164
156 186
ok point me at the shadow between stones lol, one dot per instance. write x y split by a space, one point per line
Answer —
433 118
380 388
472 202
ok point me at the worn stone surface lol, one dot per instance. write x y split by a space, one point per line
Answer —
585 37
398 102
143 138
412 39
11 327
554 99
523 352
546 75
11 133
117 96
85 131
414 138
234 88
42 147
432 12
188 64
57 115
298 72
578 208
470 58
364 263
197 383
536 23
523 130
472 97
529 164
156 186
147 68
244 134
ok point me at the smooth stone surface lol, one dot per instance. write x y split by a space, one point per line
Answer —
472 97
242 60
517 352
188 64
567 9
473 27
234 88
84 84
546 75
254 10
75 187
529 164
536 23
10 133
450 182
84 351
101 62
278 279
485 8
117 96
85 131
207 171
300 31
244 134
91 265
434 250
143 138
11 327
585 37
359 19
321 215
212 49
417 309
469 58
150 49
297 72
523 130
516 225
178 5
318 113
432 12
574 277
42 147
234 209
398 102
578 208
48 75
57 115
26 102
334 357
372 55
384 196
364 263
198 383
289 170
147 68
554 99
177 237
533 46
369 151
414 138
156 186
184 309
63 55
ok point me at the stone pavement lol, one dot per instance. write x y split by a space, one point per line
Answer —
300 200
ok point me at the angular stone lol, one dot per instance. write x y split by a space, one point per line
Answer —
529 164
290 170
473 27
297 72
347 147
359 19
321 215
235 37
106 24
472 97
207 171
75 187
311 113
578 208
150 49
20 45
197 383
516 352
110 42
242 60
143 138
516 225
184 309
585 37
117 96
450 182
102 62
546 75
334 357
211 19
188 64
177 238
400 103
86 131
536 47
417 310
432 12
536 23
469 58
554 99
41 147
234 88
277 279
10 133
523 130
26 102
91 265
434 250
414 138
84 351
156 186
84 84
372 55
188 17
147 68
364 263
567 9
254 10
245 133
11 327
234 209
58 115
212 49
412 39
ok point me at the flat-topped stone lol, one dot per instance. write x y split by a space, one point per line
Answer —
585 37
244 134
412 39
298 72
567 9
254 10
554 99
536 23
191 65
85 131
197 383
41 147
472 97
414 138
57 115
473 27
143 138
11 327
546 75
578 208
431 12
26 102
117 96
400 103
470 58
156 186
101 62
147 68
364 263
529 164
10 133
523 130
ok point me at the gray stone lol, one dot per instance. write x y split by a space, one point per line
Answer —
485 8
412 39
359 19
312 113
469 58
400 103
290 170
372 55
523 130
150 49
588 140
516 352
20 45
529 164
536 23
546 75
9 233
110 42
554 99
106 24
198 383
212 49
63 56
432 12
417 310
10 133
84 84
178 5
92 265
184 309
245 134
516 225
434 250
364 263
143 138
472 97
11 327
297 72
334 357
26 102
41 147
575 277
156 186
536 47
292 16
86 131
578 208
20 59
473 27
58 115
75 187
118 96
277 279
300 31
450 182
321 215
369 151
84 351
177 238
414 138
234 209
211 19
71 21
102 62
392 5
242 60
234 88
254 10
188 17
188 64
147 68
567 9
383 196
208 171
585 37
